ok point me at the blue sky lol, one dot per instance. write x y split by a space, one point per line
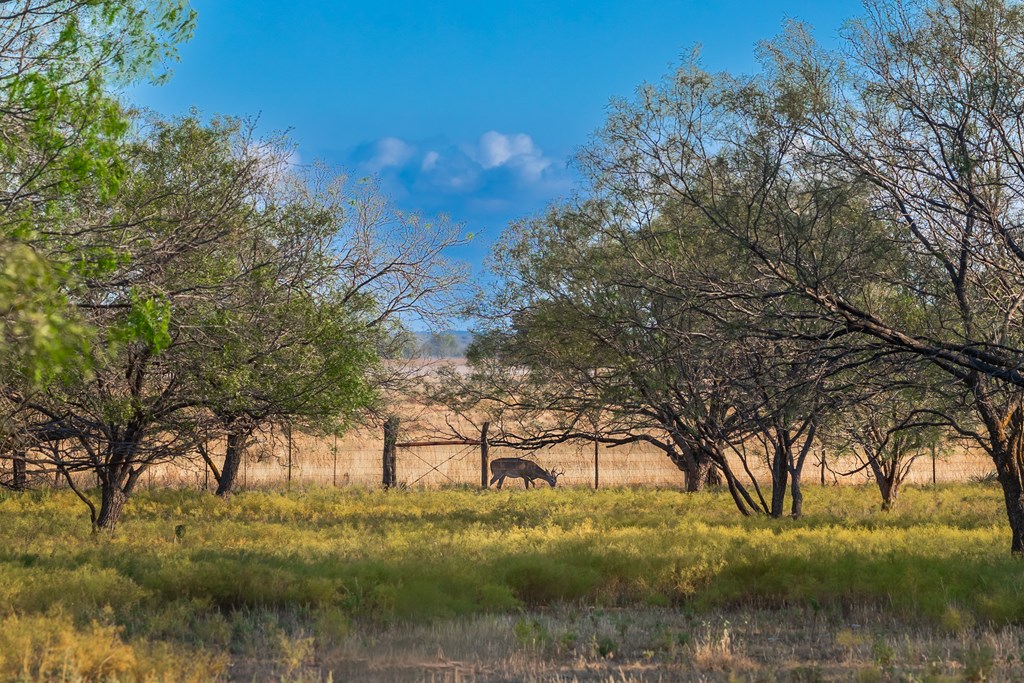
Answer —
468 108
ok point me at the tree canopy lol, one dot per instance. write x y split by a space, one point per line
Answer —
841 210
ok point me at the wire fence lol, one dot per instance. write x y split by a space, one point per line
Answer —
275 460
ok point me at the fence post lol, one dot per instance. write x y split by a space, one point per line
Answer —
335 472
596 470
933 465
390 477
484 454
289 456
822 466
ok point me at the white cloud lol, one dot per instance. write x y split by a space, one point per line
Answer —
516 152
530 167
495 174
496 149
430 160
390 152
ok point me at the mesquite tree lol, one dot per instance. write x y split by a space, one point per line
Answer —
588 345
934 131
306 332
880 183
785 395
190 191
892 414
61 140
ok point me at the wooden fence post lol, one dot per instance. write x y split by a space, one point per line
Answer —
933 465
822 466
335 473
289 456
484 454
596 470
390 477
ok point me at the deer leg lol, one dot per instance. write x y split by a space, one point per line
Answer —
494 479
501 480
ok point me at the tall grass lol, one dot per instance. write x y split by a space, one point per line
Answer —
272 573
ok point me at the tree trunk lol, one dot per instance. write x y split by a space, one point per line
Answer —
740 496
1013 496
712 477
885 470
698 473
19 480
112 500
780 475
698 469
117 479
1006 438
232 462
796 465
889 487
797 509
889 497
134 476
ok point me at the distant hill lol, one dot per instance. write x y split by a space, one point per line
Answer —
447 344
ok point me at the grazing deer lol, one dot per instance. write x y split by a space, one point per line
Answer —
527 470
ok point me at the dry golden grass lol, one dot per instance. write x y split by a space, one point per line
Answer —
356 460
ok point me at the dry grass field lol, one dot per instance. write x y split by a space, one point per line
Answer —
356 460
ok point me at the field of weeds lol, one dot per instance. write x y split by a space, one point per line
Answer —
550 584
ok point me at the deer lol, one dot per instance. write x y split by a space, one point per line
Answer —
527 470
